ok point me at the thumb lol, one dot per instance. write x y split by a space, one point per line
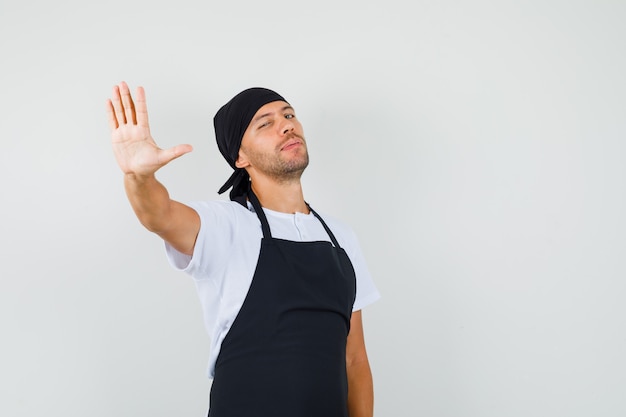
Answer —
168 155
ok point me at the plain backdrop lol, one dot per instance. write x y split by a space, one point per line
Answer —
476 147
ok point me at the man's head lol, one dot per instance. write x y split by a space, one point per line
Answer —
273 145
257 131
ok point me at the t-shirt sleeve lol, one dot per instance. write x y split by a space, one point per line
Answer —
218 225
366 291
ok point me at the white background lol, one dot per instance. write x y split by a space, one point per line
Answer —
476 147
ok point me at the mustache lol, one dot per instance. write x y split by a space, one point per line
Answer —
292 135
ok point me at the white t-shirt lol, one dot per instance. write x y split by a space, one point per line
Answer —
226 253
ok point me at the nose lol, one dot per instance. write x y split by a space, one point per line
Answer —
287 127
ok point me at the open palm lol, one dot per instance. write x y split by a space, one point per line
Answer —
135 150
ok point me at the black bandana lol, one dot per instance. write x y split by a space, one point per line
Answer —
231 122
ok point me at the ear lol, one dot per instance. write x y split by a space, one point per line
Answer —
242 160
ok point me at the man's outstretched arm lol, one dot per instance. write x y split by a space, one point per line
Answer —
139 158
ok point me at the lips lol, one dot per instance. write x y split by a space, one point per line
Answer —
291 144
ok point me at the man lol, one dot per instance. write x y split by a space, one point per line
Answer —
281 287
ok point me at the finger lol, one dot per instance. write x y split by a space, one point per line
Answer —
141 108
168 155
127 102
117 106
111 115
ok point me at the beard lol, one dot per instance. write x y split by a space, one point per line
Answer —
282 166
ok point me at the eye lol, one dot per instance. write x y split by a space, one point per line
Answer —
264 124
290 116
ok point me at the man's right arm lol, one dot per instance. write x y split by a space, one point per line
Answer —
174 222
139 158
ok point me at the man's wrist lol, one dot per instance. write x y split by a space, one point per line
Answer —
139 179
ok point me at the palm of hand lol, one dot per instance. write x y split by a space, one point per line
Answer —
135 150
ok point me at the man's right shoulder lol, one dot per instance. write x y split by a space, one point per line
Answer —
224 206
223 210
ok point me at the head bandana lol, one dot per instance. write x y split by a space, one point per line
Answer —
231 122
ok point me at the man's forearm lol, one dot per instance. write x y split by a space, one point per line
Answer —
149 199
360 390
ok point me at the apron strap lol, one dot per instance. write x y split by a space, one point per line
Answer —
260 214
330 234
265 226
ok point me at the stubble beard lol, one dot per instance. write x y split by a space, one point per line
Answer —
280 167
291 170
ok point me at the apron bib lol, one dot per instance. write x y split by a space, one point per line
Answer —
285 353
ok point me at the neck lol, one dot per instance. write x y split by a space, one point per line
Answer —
284 197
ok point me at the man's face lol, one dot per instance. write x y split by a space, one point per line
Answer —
273 144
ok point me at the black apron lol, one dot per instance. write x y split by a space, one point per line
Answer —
285 354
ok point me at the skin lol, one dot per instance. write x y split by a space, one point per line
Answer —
273 151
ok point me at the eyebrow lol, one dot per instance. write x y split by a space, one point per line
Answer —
259 117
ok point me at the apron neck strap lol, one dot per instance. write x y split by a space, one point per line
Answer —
265 226
260 214
330 234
